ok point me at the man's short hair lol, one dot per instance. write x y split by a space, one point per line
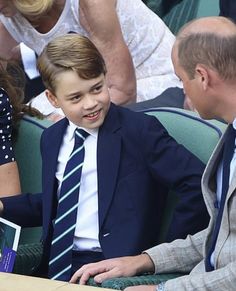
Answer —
216 51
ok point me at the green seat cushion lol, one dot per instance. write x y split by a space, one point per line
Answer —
124 282
197 135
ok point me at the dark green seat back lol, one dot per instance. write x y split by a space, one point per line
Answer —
175 13
27 150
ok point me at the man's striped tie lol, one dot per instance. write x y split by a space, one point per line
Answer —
60 262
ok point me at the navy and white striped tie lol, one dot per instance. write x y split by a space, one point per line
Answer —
60 262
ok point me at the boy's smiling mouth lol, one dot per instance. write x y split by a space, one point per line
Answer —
93 115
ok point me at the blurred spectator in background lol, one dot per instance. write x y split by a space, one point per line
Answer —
134 41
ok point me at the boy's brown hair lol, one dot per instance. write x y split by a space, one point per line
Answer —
70 52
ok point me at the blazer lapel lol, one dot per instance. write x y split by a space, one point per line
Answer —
108 157
209 179
210 196
224 230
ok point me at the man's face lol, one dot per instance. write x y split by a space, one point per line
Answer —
7 8
193 88
84 102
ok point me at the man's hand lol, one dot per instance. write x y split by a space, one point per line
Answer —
111 268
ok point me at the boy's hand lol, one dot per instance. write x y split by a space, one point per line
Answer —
111 268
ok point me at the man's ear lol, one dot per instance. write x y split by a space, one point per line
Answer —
202 74
52 98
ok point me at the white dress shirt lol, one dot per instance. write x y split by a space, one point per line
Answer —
86 231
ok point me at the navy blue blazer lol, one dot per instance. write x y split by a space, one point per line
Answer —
137 164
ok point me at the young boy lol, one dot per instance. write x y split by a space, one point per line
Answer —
128 164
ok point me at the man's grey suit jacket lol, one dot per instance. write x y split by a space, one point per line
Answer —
188 255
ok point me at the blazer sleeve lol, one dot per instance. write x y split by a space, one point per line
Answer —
221 279
24 209
179 170
183 256
179 255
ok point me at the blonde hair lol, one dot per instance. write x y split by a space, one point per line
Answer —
33 7
70 52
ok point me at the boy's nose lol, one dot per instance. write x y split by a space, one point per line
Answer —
90 102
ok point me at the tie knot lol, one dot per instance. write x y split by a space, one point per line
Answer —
80 135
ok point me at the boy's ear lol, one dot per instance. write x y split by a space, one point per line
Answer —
52 98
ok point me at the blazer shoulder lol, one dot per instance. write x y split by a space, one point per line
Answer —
55 127
136 125
134 118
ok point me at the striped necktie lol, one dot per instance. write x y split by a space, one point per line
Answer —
60 262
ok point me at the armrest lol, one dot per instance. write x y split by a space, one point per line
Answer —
28 258
124 282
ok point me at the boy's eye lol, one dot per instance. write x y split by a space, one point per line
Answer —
74 98
97 89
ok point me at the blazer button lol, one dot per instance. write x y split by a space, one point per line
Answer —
106 234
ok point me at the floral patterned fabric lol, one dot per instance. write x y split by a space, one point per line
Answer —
147 37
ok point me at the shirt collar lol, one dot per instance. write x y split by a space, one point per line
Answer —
72 128
234 124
